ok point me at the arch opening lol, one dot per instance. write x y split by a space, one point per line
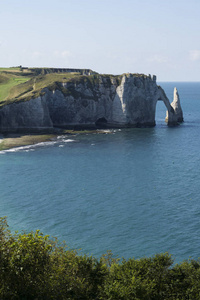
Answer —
160 113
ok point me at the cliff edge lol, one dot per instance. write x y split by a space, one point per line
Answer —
62 99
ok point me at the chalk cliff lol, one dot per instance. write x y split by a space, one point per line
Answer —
92 100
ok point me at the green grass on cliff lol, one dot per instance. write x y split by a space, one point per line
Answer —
22 84
34 86
7 82
13 69
18 84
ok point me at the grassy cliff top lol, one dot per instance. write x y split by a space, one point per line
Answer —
22 84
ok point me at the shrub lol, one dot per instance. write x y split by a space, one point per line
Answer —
34 266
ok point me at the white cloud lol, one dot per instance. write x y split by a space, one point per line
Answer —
194 55
157 58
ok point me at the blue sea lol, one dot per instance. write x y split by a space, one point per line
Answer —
134 191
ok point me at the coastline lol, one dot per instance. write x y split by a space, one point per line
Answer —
13 140
17 140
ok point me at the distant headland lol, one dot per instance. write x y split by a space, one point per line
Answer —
35 99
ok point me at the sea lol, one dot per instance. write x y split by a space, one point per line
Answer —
133 191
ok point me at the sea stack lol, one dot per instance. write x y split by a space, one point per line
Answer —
176 105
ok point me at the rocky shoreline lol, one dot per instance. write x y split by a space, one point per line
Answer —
13 140
16 140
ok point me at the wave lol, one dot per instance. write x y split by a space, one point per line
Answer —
68 141
108 130
28 147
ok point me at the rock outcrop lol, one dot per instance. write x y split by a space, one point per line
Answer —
96 100
176 105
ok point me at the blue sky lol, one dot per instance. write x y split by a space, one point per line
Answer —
136 36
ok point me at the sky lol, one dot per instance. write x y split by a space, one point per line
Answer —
108 36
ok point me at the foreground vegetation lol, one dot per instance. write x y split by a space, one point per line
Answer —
34 266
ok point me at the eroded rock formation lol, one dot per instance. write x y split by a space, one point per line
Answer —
177 114
96 100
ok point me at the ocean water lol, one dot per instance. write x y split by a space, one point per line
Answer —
134 191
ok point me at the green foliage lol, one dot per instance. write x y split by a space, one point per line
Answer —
34 266
139 279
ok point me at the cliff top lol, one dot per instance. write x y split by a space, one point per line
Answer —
22 84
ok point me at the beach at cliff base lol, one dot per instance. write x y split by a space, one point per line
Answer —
13 140
16 140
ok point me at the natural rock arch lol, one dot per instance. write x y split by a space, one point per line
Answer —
174 113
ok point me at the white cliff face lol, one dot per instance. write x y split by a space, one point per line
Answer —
131 103
84 105
135 101
119 105
25 115
141 98
129 100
